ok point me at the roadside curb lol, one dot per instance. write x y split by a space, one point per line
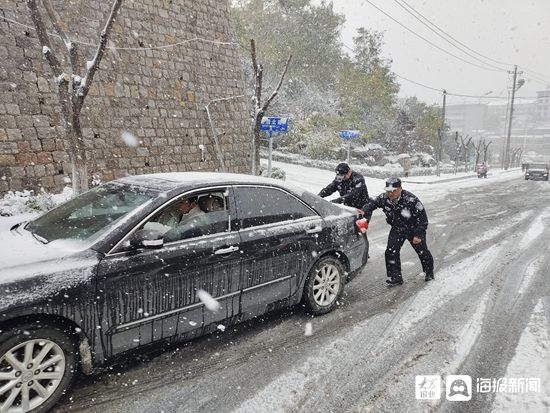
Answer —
456 178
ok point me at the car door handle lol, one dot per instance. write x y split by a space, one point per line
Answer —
227 250
314 230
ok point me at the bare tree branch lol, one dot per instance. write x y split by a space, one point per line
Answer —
485 149
71 47
258 76
276 91
44 39
71 99
260 109
92 69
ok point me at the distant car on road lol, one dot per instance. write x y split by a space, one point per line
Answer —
537 171
105 274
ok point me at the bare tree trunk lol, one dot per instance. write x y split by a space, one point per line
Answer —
478 152
71 89
79 166
466 147
259 109
256 149
485 149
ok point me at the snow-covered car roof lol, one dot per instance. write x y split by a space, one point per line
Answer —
172 180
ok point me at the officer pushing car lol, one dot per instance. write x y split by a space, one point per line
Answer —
350 185
409 221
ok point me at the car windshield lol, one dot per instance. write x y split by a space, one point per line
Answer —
538 166
90 215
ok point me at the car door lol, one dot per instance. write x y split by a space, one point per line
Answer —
153 294
278 243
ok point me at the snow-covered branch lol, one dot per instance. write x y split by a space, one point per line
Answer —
276 91
85 86
71 46
43 38
258 75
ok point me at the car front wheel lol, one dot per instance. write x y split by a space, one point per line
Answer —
324 286
37 366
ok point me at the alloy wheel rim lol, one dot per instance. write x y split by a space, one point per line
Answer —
326 285
30 372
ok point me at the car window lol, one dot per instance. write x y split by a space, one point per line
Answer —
537 166
88 216
193 216
261 205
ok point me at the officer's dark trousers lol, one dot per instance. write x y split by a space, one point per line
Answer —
393 253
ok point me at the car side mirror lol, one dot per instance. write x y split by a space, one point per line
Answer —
147 238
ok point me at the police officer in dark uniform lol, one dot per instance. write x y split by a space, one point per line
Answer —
409 221
350 185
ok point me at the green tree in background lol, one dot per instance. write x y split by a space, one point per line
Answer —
328 89
367 87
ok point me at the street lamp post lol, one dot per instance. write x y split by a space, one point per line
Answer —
520 83
440 135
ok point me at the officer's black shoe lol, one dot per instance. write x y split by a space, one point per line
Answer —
394 281
429 276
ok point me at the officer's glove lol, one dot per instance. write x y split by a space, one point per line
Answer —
362 224
337 200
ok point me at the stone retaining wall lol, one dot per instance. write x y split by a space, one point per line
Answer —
157 95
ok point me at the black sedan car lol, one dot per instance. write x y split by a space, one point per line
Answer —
155 258
537 171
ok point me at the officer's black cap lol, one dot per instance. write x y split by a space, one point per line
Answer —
392 184
342 168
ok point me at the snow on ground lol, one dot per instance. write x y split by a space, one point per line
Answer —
468 336
451 282
284 393
493 232
428 187
535 229
532 360
530 271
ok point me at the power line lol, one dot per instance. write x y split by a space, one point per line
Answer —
418 83
441 90
431 43
448 35
165 46
234 43
441 36
488 97
537 79
535 73
542 76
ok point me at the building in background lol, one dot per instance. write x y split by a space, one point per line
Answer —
530 123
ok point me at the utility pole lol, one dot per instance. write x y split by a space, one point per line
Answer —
440 135
507 153
503 149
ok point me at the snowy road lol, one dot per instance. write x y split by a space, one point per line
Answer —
487 315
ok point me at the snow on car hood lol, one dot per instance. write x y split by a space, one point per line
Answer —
30 269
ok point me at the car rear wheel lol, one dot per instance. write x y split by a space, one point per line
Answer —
324 285
37 366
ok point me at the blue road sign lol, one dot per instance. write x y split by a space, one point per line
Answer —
349 134
274 124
